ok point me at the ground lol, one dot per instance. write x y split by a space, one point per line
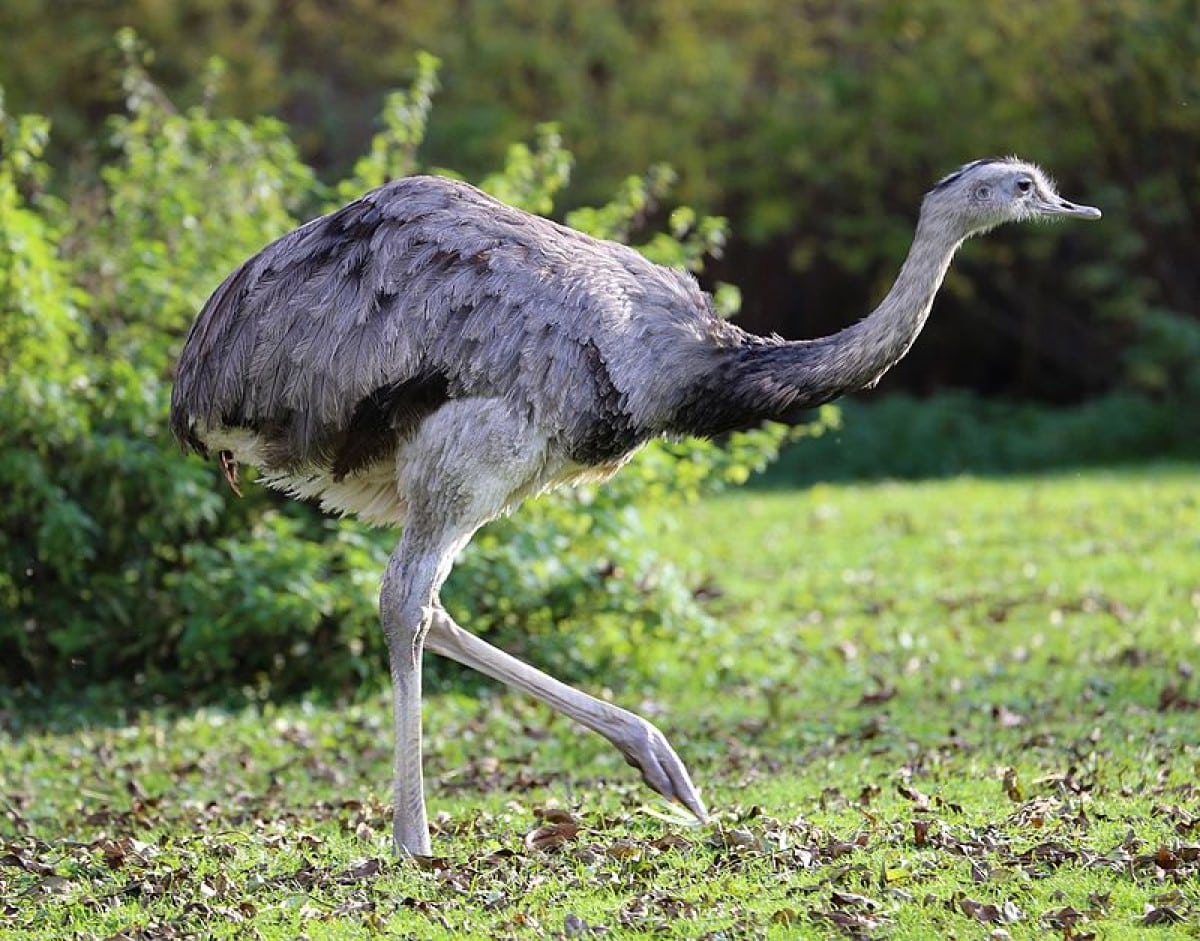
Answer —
955 709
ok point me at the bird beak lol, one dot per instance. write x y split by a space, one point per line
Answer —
1057 206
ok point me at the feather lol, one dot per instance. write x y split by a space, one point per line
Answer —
425 278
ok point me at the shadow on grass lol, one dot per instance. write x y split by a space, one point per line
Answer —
65 709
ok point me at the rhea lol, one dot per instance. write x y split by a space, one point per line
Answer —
428 357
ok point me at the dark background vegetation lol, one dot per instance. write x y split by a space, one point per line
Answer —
812 127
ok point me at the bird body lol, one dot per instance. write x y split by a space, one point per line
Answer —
429 356
320 359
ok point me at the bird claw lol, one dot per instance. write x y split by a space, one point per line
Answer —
647 749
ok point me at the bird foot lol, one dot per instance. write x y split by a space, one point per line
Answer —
410 840
647 749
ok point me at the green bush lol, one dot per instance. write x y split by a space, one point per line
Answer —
815 127
122 561
957 433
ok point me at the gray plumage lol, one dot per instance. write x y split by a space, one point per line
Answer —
429 356
430 287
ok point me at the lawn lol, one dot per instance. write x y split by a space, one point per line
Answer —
951 709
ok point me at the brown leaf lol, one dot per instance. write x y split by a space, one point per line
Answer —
24 862
920 829
784 916
551 835
1173 698
1163 915
671 841
1051 852
733 838
1173 899
555 815
363 869
499 857
431 863
1065 917
868 793
1100 900
623 849
1166 858
54 884
114 852
855 924
920 801
989 914
851 900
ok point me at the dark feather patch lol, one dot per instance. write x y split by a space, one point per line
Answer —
749 385
384 418
607 432
965 168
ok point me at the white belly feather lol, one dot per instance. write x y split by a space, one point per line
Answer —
470 460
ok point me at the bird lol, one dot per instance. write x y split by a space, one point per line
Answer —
428 357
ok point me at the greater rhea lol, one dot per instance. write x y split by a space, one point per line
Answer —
429 357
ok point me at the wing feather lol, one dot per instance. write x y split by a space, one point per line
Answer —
426 288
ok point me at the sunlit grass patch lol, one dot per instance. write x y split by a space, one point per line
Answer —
956 709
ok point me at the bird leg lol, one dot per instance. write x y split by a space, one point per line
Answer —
642 744
414 573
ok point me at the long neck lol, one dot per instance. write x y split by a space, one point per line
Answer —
766 379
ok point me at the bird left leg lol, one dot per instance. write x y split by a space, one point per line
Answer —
642 744
414 573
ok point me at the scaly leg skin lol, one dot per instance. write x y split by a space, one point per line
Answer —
410 828
414 572
644 746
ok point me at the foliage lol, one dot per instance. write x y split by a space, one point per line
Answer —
393 151
124 561
814 126
39 332
965 712
903 437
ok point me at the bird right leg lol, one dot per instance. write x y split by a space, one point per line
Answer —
642 744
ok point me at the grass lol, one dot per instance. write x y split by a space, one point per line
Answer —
963 709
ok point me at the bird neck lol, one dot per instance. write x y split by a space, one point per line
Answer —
858 356
768 379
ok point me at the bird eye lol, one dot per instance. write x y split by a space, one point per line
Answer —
1025 185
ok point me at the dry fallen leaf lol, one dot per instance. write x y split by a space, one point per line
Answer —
550 836
363 869
24 862
1163 915
988 913
920 801
851 900
555 815
883 692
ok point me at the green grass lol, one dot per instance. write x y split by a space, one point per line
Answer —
963 709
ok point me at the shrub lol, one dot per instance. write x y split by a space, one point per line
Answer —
125 562
957 433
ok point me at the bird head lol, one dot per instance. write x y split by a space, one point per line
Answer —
986 193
